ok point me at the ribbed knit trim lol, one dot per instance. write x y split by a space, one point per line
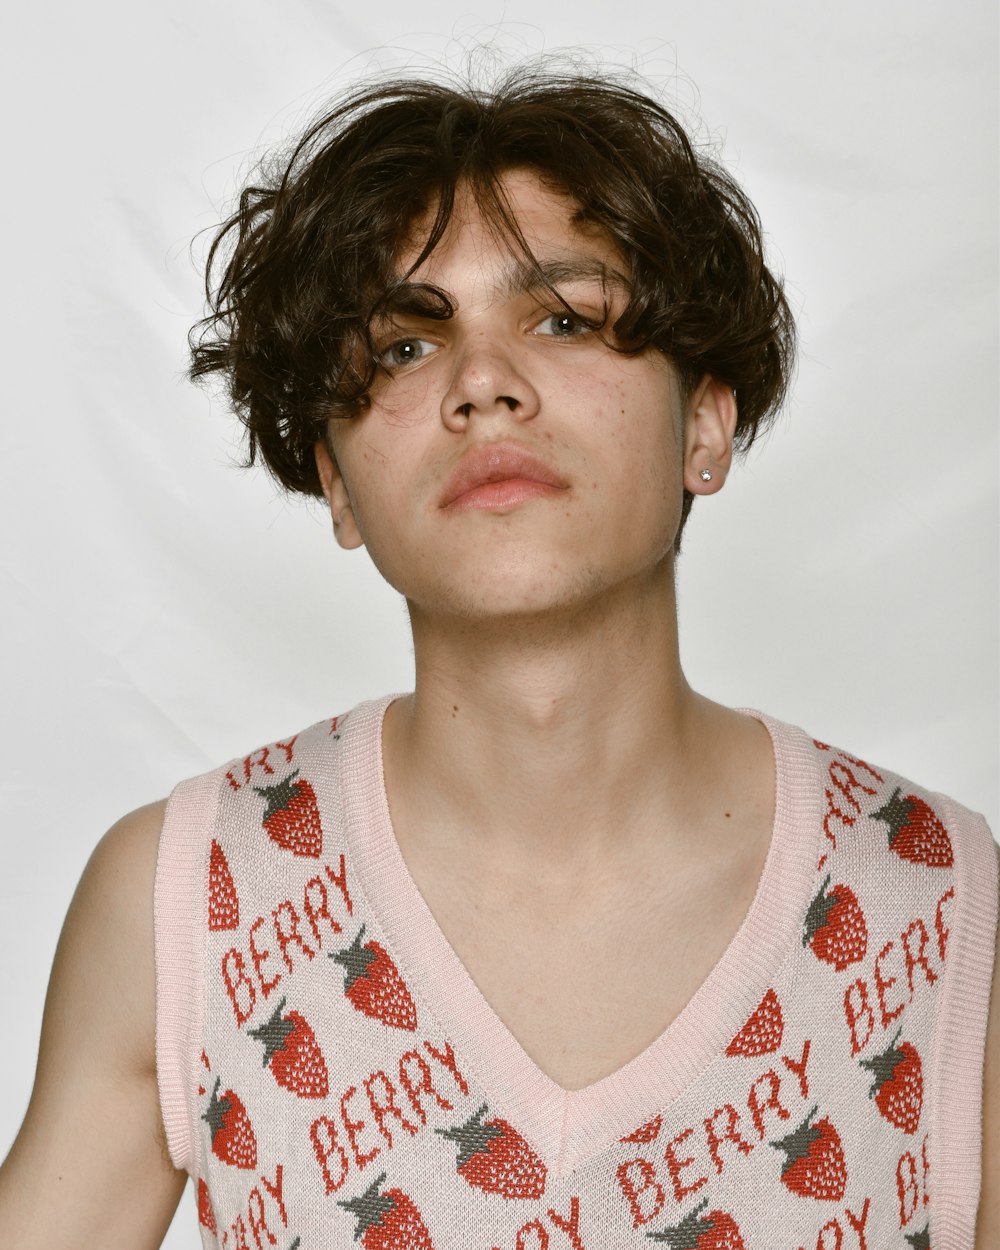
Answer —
956 1080
180 911
570 1126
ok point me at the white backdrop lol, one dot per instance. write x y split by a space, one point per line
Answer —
163 611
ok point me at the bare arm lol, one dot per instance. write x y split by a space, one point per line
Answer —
988 1218
90 1165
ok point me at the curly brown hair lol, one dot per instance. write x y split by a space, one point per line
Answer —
298 272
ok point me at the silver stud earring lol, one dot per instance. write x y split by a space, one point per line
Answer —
706 475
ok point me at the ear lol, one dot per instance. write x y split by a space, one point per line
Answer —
345 528
709 426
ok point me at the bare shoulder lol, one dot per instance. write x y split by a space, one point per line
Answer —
142 825
109 928
127 852
95 1083
988 1219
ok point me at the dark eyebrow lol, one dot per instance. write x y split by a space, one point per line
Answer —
522 276
413 299
525 276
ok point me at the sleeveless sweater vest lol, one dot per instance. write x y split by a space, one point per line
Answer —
330 1074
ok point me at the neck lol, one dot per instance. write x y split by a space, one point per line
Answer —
551 737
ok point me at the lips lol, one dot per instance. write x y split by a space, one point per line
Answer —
491 464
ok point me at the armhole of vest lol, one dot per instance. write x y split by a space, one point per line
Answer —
180 920
959 1053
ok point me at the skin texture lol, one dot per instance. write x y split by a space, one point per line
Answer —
506 371
546 649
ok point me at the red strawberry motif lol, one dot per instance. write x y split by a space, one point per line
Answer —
835 926
233 1138
387 1221
223 905
915 833
814 1164
715 1231
645 1132
494 1157
206 1216
898 1087
293 1054
762 1033
921 1240
373 984
291 817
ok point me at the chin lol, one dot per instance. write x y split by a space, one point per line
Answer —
511 600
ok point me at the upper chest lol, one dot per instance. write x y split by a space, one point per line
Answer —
587 973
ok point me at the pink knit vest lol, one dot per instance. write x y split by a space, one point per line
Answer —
330 1075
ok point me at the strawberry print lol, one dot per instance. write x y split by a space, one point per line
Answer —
233 1138
293 1054
715 1231
206 1216
495 1158
915 833
835 926
921 1240
387 1221
898 1085
291 817
762 1033
645 1132
372 983
223 905
814 1164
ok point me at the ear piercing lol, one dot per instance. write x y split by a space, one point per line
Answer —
706 475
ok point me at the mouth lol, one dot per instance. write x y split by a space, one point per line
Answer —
495 476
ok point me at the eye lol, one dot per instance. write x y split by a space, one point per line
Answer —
405 352
562 325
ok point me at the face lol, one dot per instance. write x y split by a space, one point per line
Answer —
511 462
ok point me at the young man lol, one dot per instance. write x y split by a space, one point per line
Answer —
553 951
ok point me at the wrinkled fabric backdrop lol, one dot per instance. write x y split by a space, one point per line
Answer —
163 611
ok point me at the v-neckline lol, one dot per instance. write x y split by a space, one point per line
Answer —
567 1127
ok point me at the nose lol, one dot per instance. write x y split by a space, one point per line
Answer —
487 381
